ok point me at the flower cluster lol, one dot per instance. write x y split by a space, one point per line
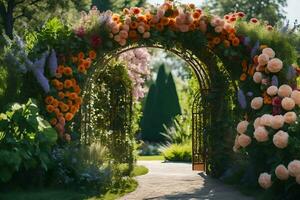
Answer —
283 100
137 61
65 101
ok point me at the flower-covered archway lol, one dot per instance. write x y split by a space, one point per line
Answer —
255 55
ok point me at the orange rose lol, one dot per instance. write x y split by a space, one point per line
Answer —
60 86
49 99
165 21
55 82
69 116
73 109
196 15
132 34
60 69
160 26
216 40
116 18
74 59
61 95
226 43
243 77
133 25
55 103
136 10
87 63
235 42
78 100
53 121
73 96
50 108
68 71
77 89
92 55
81 69
80 55
68 84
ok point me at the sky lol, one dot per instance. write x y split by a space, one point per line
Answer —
292 8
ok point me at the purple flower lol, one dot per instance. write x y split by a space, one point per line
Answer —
242 99
38 68
246 41
249 94
275 80
52 63
254 49
291 73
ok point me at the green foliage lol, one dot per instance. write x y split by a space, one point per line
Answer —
162 105
139 170
178 152
268 10
180 132
25 140
111 100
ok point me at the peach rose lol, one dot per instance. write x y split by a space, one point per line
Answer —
263 59
261 134
274 65
288 103
264 180
242 127
146 35
294 168
257 77
285 91
281 139
296 96
277 121
256 122
123 34
257 103
272 90
268 51
122 42
282 172
290 117
266 120
244 140
141 29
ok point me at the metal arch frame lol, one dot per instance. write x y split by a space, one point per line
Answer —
201 112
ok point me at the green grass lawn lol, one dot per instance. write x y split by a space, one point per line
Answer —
60 194
156 157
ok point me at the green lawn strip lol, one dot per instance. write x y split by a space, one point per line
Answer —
139 170
157 157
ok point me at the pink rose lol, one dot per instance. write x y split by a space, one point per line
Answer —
296 96
282 172
277 121
257 77
263 59
146 35
280 139
274 65
288 103
257 103
290 117
261 134
242 127
264 180
256 122
272 90
284 91
294 168
266 120
244 140
268 51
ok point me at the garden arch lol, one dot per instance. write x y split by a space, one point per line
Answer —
223 52
205 67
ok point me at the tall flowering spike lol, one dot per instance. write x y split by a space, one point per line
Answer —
52 63
38 68
242 99
255 49
275 80
291 73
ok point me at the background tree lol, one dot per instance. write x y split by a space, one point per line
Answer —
162 105
268 10
28 11
117 5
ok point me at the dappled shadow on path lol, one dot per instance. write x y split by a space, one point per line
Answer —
210 189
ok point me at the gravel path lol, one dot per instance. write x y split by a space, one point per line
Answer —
178 181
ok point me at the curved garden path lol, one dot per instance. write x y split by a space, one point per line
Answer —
178 181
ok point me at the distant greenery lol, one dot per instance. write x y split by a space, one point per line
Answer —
139 170
158 157
178 152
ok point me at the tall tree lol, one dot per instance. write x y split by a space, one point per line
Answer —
162 105
268 10
12 11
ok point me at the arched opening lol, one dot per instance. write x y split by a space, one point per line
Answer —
205 66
